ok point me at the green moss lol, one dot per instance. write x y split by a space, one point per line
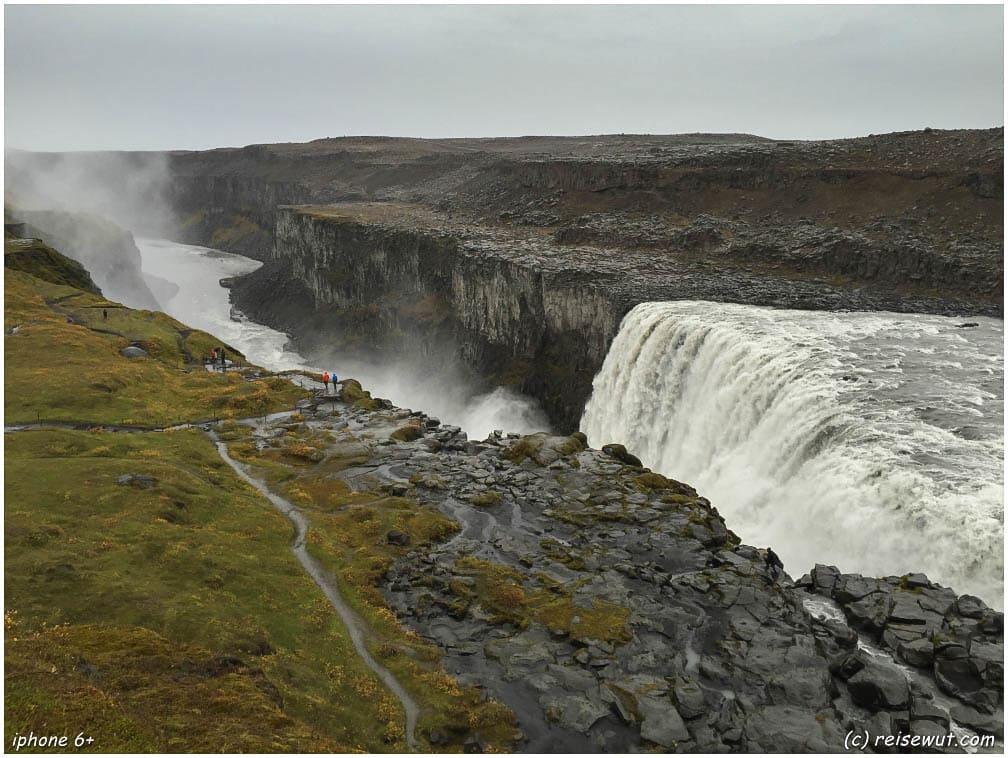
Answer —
34 257
526 448
509 597
358 397
407 433
237 230
557 552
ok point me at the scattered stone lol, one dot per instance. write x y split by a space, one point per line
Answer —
619 452
395 537
140 481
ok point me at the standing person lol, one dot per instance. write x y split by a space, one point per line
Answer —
325 381
104 314
333 379
220 352
213 355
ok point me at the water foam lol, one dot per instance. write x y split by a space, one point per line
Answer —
873 441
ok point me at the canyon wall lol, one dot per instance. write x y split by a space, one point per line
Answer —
353 286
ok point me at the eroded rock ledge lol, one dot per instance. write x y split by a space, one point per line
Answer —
612 609
518 308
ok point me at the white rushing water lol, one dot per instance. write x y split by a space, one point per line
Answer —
872 441
202 303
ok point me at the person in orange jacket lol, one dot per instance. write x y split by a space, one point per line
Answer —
325 381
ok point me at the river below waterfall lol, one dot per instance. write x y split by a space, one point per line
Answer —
201 302
871 441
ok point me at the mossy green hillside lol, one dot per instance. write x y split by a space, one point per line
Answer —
34 257
57 370
196 566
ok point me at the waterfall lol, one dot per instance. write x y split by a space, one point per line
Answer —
872 441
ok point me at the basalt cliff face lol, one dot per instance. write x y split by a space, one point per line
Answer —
522 255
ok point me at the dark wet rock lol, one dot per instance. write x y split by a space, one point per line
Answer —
704 645
918 652
922 709
789 729
960 678
847 666
978 721
992 624
395 537
474 744
879 687
971 607
956 643
619 452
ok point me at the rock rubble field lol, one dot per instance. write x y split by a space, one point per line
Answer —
612 609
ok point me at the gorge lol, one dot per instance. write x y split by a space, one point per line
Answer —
808 333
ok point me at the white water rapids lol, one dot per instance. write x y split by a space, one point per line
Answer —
202 303
871 441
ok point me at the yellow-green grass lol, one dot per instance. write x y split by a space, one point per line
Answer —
38 259
59 371
348 536
154 584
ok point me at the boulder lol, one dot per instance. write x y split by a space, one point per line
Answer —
971 607
981 723
395 537
689 699
960 678
918 653
134 352
661 722
877 687
824 578
619 452
870 612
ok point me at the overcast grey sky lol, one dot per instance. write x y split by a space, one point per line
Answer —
159 77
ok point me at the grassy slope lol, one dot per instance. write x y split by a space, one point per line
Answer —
154 584
38 259
127 609
74 371
175 617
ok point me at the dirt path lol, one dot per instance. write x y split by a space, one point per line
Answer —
354 625
356 628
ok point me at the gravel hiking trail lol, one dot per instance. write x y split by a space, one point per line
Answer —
354 625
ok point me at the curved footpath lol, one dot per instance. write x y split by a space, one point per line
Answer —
354 625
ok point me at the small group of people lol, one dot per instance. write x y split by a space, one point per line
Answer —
326 378
217 356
